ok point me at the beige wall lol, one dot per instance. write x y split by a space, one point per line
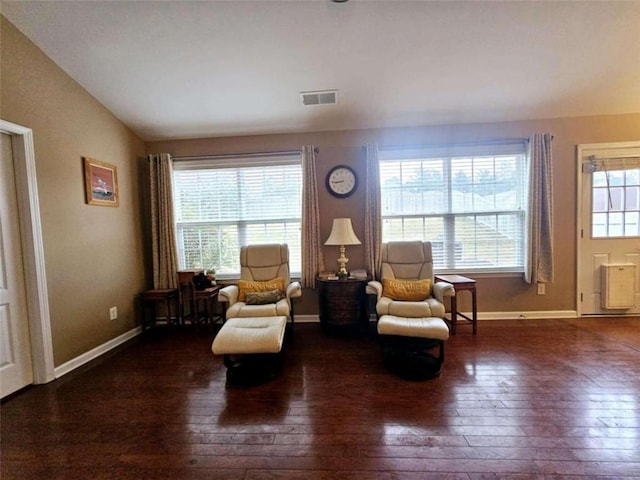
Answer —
94 255
496 294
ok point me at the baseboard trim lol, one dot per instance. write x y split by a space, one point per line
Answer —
543 314
525 315
95 352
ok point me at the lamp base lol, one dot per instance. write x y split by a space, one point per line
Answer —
342 261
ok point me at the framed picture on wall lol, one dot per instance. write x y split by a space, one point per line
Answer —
100 183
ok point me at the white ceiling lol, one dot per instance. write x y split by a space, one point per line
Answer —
181 69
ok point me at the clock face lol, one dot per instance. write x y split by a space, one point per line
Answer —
341 181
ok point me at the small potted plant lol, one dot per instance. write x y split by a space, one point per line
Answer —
211 276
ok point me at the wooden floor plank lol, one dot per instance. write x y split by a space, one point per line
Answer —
524 399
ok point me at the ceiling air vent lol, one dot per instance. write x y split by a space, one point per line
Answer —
320 97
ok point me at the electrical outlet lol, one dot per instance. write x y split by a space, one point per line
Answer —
113 313
541 288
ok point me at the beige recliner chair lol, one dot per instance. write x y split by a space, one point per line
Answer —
263 268
257 312
410 310
409 261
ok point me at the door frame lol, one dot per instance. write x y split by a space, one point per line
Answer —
37 296
579 213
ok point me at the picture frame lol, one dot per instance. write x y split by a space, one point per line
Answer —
100 183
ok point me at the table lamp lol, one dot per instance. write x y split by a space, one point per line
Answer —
342 234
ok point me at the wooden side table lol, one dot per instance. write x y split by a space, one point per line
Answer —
208 299
188 305
461 284
343 305
150 300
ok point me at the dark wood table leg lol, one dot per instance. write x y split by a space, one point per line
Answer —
474 311
454 314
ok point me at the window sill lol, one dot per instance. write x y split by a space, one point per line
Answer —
483 274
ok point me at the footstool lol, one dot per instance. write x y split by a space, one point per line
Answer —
407 345
250 347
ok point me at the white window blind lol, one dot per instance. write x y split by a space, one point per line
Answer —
224 203
469 201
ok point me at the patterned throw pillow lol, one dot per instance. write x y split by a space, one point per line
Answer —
262 298
407 290
245 286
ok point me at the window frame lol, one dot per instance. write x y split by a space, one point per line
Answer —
447 154
236 163
615 200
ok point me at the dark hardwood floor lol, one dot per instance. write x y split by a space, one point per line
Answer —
557 399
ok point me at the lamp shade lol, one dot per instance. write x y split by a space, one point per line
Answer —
342 233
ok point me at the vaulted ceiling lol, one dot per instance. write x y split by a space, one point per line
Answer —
183 69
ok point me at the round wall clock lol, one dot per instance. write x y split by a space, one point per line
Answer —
341 181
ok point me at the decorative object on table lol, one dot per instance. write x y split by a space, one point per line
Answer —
100 183
327 276
359 274
342 234
202 281
211 275
341 181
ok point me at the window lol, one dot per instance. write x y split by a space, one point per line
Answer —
224 203
616 198
468 201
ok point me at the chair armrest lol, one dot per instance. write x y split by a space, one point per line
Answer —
228 294
294 290
443 289
374 288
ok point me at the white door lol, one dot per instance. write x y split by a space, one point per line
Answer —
608 221
16 370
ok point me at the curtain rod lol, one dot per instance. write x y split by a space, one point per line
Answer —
235 155
503 141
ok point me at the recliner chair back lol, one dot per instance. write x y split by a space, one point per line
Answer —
264 262
408 260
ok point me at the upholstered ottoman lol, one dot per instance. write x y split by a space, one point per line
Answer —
408 343
250 347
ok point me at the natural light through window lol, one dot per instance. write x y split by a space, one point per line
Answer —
470 202
222 205
616 203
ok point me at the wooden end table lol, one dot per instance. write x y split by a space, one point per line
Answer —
151 298
208 297
188 303
461 284
343 306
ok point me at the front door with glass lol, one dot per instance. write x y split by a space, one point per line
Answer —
608 221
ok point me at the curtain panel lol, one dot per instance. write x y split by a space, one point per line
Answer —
372 212
163 238
539 267
312 260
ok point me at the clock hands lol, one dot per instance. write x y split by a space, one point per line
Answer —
341 181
